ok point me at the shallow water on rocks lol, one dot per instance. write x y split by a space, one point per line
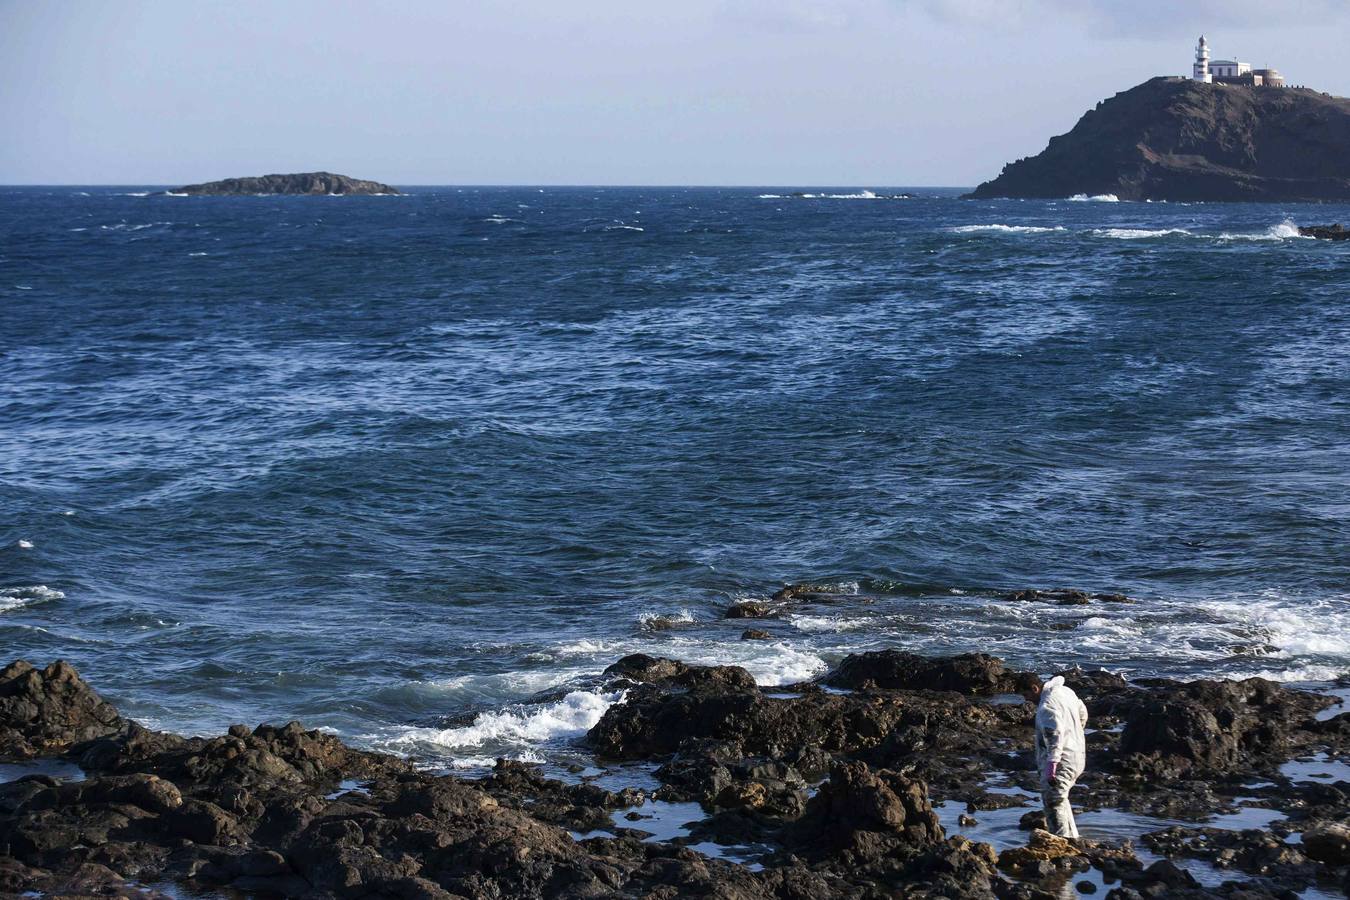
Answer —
52 768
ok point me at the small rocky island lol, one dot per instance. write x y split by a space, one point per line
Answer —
325 183
1177 139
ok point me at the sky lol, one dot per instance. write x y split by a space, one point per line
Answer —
661 92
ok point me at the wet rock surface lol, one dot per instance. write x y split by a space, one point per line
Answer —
837 789
1335 232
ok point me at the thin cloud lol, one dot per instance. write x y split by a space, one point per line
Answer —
1140 18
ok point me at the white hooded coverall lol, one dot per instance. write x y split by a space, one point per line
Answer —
1060 720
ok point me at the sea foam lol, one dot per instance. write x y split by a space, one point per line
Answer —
518 726
15 597
1283 231
1094 198
998 228
1134 234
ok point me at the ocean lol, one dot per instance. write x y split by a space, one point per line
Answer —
417 468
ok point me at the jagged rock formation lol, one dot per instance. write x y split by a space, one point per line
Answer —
298 183
1325 232
1172 139
282 811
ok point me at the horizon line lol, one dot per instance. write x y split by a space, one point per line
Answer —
541 184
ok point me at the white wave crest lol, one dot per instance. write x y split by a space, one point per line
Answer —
15 597
829 624
1306 628
771 664
998 228
1134 234
860 195
771 197
1094 198
1297 674
124 226
487 762
1285 230
515 726
655 620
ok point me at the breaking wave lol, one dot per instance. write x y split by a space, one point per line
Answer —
15 597
515 728
1132 234
1094 198
1006 229
1281 232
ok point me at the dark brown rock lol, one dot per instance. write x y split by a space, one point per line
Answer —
1217 726
861 811
1325 232
1175 139
969 673
45 711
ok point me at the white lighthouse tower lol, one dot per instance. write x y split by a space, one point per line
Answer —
1200 72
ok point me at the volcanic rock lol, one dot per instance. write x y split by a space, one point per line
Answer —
749 609
1217 726
1325 232
640 667
969 673
44 711
298 183
1328 842
1042 847
860 810
1175 139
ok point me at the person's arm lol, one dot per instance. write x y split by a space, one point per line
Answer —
1054 740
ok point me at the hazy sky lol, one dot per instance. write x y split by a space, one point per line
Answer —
762 92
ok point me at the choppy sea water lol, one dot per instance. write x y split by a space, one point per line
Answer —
389 465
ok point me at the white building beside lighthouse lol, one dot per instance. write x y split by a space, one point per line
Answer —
1200 72
1230 71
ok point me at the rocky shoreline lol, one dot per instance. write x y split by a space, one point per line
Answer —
845 787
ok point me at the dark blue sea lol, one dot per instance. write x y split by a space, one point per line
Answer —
391 465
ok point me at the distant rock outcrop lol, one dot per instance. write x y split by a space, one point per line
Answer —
1173 139
298 183
1325 232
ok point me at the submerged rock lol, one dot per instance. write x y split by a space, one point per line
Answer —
1064 597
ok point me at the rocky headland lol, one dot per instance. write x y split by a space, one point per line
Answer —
325 183
1174 139
847 786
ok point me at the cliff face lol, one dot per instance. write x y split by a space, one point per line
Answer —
299 183
1171 139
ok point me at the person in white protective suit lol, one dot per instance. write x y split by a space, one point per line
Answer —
1061 752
